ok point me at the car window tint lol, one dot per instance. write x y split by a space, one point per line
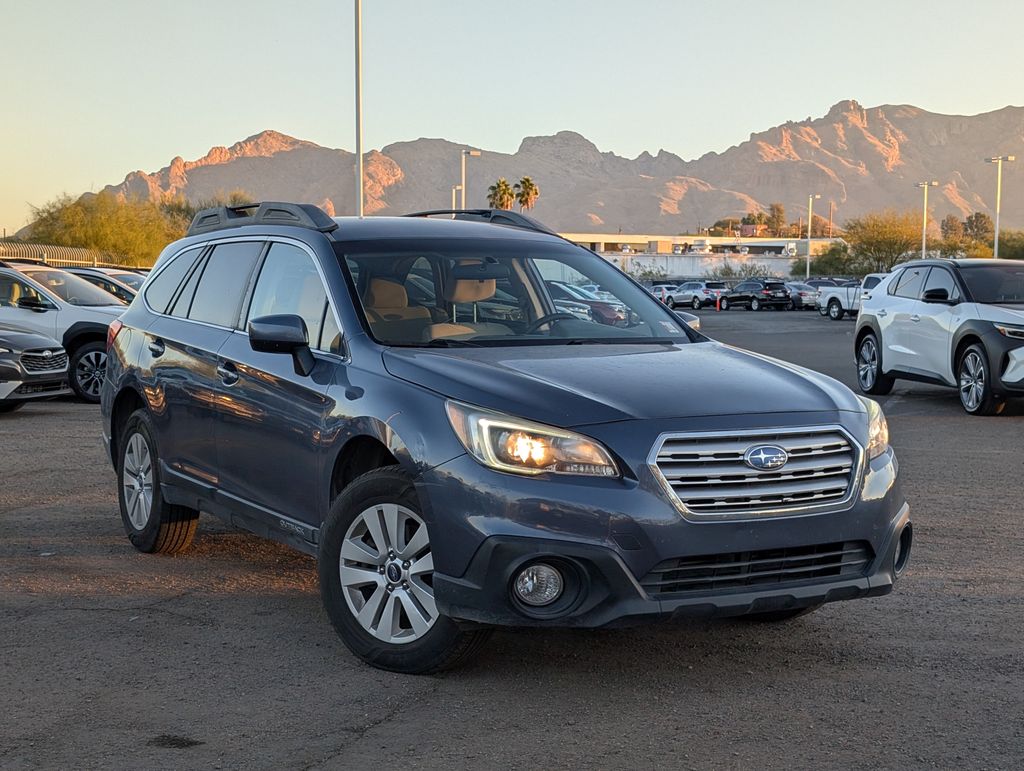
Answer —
12 290
330 334
289 283
223 283
909 285
940 278
164 284
871 282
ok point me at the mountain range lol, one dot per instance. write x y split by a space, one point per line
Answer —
859 159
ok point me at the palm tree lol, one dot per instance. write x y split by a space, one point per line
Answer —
527 193
500 195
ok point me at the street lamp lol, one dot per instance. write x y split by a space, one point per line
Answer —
811 198
924 216
455 189
999 192
465 154
359 108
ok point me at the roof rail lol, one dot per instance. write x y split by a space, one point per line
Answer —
302 215
493 216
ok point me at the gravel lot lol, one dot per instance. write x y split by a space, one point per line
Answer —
223 657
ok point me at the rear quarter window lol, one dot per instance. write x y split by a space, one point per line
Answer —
163 286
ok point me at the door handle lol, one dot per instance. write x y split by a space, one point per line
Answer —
156 347
915 317
228 373
883 312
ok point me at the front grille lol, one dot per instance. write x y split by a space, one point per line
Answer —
37 361
40 388
709 476
774 567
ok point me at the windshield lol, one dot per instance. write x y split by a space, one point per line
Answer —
452 293
715 285
72 289
134 280
995 283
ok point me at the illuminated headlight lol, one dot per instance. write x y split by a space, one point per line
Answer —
505 443
1006 330
878 429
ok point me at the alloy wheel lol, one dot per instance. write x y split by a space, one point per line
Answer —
867 363
90 371
972 381
137 481
387 573
695 303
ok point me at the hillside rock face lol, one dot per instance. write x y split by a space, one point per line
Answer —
859 158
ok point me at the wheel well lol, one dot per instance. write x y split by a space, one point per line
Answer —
124 405
359 455
78 341
960 347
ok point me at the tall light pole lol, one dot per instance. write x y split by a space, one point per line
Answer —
455 189
810 224
465 154
999 192
924 216
359 108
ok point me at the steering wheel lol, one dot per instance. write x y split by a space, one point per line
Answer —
547 319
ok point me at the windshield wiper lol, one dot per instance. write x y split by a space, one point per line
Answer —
444 342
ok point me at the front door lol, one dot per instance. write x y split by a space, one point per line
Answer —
41 319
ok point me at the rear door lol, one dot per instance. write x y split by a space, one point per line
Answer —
932 325
271 425
897 320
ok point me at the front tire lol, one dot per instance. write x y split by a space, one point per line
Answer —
86 371
724 303
835 310
975 383
870 377
671 304
376 579
755 305
696 304
153 525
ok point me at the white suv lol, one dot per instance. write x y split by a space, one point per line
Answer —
67 308
958 323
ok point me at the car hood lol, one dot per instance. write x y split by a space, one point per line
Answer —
22 340
1010 314
579 385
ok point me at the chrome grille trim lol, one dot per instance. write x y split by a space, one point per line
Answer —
705 474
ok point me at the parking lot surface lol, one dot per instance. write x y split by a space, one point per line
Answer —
223 657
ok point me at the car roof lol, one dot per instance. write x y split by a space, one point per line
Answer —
964 262
370 228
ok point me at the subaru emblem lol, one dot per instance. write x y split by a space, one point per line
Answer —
47 354
766 457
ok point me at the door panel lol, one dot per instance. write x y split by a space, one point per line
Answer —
932 333
900 307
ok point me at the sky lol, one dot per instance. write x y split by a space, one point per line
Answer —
93 90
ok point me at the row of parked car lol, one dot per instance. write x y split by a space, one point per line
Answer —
53 328
832 297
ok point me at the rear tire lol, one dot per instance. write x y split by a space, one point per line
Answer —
974 383
822 310
11 406
724 304
835 310
153 525
671 304
86 371
870 377
696 304
376 579
755 305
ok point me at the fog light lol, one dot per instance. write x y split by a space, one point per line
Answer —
901 554
539 584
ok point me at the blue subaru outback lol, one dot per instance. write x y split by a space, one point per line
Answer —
403 398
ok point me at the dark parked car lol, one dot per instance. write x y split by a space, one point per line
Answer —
604 311
112 282
32 366
755 294
453 469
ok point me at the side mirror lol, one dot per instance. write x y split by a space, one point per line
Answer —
938 296
33 304
285 333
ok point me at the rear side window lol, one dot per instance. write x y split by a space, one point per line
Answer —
223 283
290 283
910 281
871 282
165 283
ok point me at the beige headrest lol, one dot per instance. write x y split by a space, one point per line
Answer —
383 293
470 290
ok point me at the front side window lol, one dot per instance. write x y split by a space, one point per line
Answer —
223 282
446 293
940 278
12 290
289 283
999 284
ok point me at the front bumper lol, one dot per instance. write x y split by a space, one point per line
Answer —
17 384
609 535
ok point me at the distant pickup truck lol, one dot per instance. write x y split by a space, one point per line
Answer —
836 301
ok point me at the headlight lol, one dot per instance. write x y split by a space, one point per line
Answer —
518 446
1010 331
5 350
878 429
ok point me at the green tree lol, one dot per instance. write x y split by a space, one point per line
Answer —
878 240
1011 244
180 210
952 228
776 220
744 270
834 261
500 195
979 227
527 193
130 232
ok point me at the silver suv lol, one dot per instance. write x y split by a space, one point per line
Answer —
696 294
